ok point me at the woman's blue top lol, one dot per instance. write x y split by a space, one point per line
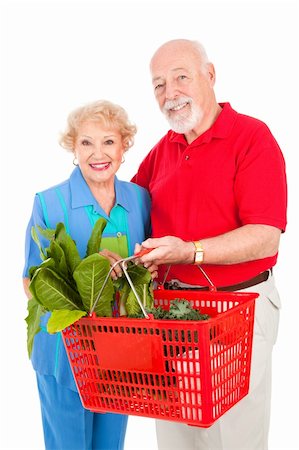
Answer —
72 203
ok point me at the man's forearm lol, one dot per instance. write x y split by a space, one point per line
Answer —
246 243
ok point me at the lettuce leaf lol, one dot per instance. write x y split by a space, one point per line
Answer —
68 246
52 291
94 242
35 312
90 275
142 281
62 318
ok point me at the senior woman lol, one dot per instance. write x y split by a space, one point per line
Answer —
98 135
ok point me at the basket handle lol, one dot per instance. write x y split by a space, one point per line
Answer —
212 286
123 262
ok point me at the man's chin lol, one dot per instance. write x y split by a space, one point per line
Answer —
184 125
179 127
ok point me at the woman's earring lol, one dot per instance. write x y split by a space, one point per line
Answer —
75 161
123 159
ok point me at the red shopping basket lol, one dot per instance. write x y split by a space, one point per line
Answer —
185 371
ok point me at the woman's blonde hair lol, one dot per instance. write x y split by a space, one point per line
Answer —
107 114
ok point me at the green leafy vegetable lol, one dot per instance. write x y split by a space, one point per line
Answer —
57 255
90 275
35 237
94 242
48 233
179 309
35 312
68 246
141 279
68 286
62 318
182 310
52 291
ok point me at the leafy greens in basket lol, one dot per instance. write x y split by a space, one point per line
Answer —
67 285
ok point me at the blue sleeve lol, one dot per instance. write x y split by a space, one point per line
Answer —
32 254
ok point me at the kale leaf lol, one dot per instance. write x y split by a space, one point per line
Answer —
179 309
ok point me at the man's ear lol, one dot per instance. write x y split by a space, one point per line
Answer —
211 74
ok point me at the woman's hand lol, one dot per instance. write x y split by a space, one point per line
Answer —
152 268
113 257
117 272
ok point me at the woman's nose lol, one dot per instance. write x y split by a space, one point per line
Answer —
98 150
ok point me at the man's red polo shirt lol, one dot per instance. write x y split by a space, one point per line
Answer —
232 175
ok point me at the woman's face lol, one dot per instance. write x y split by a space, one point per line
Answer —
99 152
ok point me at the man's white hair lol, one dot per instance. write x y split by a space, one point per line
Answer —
199 48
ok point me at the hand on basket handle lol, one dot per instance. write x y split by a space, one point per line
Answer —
151 267
142 252
168 250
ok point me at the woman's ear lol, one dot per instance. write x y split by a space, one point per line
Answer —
75 160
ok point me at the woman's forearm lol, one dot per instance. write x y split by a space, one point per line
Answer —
26 282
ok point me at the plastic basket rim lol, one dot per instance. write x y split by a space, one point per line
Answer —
249 297
209 293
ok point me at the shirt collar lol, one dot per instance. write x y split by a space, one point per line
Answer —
220 129
82 196
121 198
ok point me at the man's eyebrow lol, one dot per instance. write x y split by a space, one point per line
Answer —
172 70
156 79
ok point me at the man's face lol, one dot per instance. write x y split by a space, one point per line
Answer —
183 87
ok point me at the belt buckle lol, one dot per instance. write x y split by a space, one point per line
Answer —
172 285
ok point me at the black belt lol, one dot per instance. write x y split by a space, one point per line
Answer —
260 278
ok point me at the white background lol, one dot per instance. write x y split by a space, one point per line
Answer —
58 55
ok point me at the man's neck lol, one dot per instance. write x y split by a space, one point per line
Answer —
204 125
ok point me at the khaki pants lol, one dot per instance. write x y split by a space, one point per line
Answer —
246 425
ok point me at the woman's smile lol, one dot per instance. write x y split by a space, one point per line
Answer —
100 166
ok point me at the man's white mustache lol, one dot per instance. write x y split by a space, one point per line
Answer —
170 104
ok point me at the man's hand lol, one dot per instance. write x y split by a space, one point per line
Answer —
168 250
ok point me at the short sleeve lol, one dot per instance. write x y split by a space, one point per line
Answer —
260 184
32 253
